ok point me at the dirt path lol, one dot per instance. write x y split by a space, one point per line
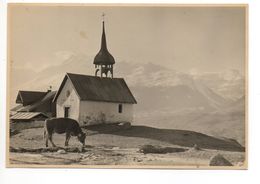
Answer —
122 156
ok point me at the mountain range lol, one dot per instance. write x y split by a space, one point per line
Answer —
167 88
211 103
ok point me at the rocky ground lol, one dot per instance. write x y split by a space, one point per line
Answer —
112 146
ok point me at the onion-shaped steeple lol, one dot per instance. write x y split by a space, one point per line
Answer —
104 61
103 56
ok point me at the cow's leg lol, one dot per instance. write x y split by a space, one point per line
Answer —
45 135
67 139
50 138
46 140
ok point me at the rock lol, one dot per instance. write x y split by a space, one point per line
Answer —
125 125
61 151
219 160
240 164
81 149
147 149
137 159
195 148
115 148
73 149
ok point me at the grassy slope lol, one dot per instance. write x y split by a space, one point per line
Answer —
219 124
133 137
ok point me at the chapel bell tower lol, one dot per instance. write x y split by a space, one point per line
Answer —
104 61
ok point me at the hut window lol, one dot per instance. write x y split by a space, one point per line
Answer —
120 108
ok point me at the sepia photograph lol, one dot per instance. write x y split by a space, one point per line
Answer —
127 86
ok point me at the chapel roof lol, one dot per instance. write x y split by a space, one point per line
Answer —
92 88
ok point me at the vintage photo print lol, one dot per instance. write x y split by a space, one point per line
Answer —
127 86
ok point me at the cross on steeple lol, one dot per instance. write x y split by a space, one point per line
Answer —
103 16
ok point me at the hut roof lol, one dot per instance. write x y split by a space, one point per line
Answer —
27 115
29 97
48 97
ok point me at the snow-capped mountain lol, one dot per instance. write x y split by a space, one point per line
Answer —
215 90
228 83
167 88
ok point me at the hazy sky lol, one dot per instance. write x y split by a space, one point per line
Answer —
183 38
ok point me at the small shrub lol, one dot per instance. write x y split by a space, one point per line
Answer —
159 150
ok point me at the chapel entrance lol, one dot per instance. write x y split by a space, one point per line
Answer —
66 112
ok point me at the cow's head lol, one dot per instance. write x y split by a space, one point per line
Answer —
81 138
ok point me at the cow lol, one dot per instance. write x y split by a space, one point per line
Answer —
63 125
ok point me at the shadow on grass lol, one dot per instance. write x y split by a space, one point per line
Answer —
172 136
